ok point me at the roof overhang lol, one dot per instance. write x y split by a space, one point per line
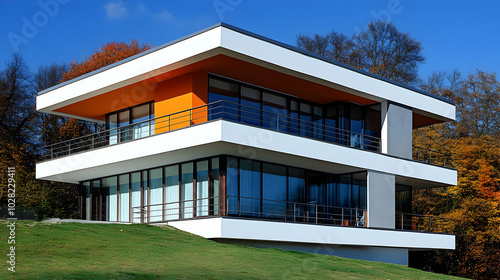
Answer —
222 40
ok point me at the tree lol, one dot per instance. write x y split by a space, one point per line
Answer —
106 55
389 53
478 105
381 49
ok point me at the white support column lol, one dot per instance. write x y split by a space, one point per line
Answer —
397 124
381 200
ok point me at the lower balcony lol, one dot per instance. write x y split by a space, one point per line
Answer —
280 211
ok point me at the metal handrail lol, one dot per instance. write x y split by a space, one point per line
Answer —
217 110
267 209
424 223
432 156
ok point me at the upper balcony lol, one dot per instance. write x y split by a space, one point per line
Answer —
236 113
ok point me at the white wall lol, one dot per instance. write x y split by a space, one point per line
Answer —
397 123
381 200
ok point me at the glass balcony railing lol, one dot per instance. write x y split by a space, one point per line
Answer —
214 111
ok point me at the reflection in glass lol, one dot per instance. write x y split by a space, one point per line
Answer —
249 188
187 204
124 198
274 191
172 192
202 193
156 194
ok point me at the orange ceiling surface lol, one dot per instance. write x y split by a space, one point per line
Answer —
144 91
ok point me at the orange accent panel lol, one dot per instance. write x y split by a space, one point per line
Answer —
175 95
171 106
97 107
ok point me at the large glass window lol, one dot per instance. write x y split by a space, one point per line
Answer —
226 94
275 114
232 172
135 186
124 198
250 106
297 193
140 117
214 176
109 190
250 188
338 122
187 203
172 192
274 194
119 123
156 195
202 188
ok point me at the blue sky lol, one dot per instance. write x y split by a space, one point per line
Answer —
455 34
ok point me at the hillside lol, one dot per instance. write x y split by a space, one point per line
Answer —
111 251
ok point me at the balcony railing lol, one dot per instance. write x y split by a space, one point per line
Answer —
285 211
213 111
423 223
432 156
233 206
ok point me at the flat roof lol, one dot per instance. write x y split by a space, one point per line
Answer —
257 36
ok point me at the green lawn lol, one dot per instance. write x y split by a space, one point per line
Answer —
98 251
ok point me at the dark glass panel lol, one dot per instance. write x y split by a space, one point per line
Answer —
344 191
232 186
306 127
214 174
318 122
222 90
315 195
356 126
250 106
403 199
124 120
293 121
250 196
343 123
373 128
297 194
275 114
96 200
274 194
331 129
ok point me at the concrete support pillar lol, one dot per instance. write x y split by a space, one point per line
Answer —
381 200
397 123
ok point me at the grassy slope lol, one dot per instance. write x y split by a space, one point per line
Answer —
83 251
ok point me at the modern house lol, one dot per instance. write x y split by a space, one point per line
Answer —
240 138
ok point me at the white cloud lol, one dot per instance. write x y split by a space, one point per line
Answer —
165 15
115 10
